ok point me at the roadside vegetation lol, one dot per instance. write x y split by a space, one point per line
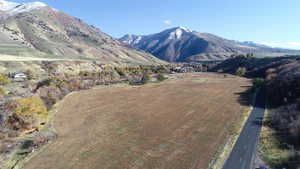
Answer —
257 83
279 144
280 140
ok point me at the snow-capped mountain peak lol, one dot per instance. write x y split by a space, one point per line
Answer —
6 6
131 39
185 29
176 33
13 8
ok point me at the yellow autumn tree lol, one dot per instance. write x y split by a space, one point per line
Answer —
2 92
241 71
4 80
31 110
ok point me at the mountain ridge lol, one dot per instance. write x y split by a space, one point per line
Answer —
181 44
42 31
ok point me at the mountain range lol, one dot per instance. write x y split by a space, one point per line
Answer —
180 44
38 30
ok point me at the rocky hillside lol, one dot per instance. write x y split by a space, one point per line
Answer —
37 30
181 44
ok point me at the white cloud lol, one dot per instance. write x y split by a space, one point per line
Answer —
288 45
168 22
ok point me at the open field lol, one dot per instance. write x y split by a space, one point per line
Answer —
177 124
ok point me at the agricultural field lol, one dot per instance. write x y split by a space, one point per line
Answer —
176 124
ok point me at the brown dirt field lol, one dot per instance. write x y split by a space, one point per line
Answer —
177 124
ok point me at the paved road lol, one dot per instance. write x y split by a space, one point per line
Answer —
243 153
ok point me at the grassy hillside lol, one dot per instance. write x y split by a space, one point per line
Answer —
47 32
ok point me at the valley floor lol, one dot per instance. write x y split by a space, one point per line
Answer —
179 123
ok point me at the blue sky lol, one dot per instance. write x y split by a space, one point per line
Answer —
273 22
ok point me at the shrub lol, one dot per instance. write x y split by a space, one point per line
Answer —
258 82
4 80
2 92
79 50
59 82
15 123
54 80
45 82
30 75
161 77
107 68
241 71
30 110
295 131
120 71
84 74
2 136
250 55
146 78
160 69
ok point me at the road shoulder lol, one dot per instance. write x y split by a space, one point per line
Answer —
225 149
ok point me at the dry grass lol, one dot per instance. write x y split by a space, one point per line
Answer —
270 150
176 124
274 151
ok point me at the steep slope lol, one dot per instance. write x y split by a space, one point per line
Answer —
34 29
256 67
181 44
